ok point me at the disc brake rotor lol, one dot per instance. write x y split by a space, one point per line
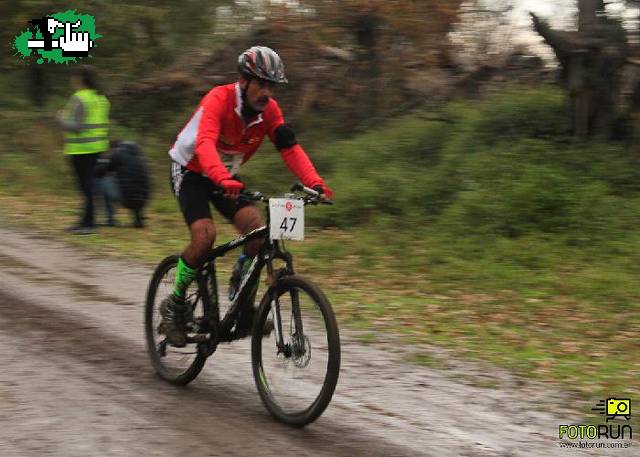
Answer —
301 352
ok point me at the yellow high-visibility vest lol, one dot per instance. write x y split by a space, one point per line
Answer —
93 135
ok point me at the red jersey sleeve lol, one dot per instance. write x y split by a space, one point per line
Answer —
294 156
298 162
208 131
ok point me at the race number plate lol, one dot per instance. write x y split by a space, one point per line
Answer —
287 219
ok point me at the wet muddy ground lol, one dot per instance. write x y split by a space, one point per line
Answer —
75 380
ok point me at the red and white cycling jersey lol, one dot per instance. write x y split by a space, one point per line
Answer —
216 141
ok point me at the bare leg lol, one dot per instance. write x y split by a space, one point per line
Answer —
203 235
173 309
246 220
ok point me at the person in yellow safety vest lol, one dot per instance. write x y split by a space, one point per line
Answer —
85 122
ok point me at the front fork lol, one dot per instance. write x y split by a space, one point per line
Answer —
296 346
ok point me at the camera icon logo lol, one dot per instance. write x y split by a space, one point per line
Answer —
613 408
618 407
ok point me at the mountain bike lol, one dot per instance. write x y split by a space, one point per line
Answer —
295 343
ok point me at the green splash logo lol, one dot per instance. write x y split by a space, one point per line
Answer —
59 38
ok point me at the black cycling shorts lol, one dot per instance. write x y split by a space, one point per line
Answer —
194 192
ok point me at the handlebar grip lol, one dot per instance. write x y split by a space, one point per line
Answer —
305 189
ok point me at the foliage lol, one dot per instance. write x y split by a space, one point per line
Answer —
138 39
504 167
349 62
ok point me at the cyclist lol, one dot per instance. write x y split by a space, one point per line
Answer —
225 131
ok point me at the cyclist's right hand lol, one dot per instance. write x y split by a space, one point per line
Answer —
231 187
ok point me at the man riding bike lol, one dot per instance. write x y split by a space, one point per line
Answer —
224 132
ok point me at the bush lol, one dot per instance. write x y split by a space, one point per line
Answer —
502 167
535 113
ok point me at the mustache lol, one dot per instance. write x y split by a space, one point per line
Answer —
263 100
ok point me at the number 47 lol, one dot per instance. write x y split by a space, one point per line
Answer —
285 225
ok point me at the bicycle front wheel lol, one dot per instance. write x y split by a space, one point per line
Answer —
296 379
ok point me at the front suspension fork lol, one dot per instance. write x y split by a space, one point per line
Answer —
273 278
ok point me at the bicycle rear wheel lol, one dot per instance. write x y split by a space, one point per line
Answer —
177 366
296 381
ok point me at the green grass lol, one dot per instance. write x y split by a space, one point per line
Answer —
482 228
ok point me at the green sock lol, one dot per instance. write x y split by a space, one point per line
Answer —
185 276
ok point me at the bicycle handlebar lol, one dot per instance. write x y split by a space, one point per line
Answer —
307 190
313 197
316 197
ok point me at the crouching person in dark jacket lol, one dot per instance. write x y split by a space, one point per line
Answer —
126 162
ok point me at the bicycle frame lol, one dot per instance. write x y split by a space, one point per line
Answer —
269 251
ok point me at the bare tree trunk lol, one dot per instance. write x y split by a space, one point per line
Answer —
587 11
582 96
37 84
591 60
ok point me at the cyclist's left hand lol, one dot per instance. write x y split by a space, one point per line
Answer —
324 190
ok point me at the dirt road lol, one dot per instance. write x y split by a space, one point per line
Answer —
75 380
